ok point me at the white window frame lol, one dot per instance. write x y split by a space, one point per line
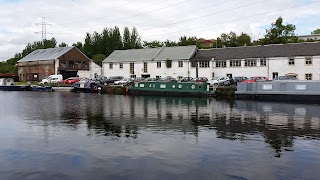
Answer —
180 63
235 63
250 62
221 64
204 64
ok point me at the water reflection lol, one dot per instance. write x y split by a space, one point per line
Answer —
122 116
156 130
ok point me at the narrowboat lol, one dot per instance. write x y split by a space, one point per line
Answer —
41 88
87 87
7 84
171 88
285 90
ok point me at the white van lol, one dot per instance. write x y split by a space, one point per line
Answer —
52 79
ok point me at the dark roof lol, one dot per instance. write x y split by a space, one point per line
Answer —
275 50
158 54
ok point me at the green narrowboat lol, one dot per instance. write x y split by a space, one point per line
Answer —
171 88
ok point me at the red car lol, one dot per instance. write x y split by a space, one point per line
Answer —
70 80
255 79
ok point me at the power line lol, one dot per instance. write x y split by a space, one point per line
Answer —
43 32
204 16
151 11
233 20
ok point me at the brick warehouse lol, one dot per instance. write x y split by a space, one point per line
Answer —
68 61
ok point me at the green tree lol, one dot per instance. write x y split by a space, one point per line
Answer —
152 44
185 41
317 31
280 34
244 40
98 58
62 44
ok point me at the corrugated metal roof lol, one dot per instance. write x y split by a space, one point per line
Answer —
132 55
176 53
46 54
275 50
163 53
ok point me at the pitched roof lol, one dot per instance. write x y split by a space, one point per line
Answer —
276 50
161 53
45 54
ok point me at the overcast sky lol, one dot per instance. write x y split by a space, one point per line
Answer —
154 19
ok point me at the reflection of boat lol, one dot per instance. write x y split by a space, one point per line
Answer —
41 88
171 88
87 87
7 84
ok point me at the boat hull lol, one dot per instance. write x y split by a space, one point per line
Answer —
15 88
171 89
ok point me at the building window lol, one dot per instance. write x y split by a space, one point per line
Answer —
204 64
193 64
250 62
235 63
180 63
308 76
274 75
263 62
85 65
221 64
71 64
111 66
78 64
291 61
145 67
159 64
308 61
63 64
131 68
121 65
133 76
168 63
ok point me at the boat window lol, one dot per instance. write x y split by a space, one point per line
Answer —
200 87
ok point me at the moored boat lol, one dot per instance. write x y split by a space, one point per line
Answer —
87 87
171 88
41 88
286 90
7 84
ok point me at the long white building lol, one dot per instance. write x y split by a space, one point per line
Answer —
154 62
301 60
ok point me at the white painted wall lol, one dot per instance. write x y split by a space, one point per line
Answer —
279 64
174 71
94 69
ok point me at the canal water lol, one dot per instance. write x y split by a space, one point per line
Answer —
63 135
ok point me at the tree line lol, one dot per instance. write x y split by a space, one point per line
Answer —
98 46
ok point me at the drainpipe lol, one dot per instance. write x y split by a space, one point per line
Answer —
268 68
197 68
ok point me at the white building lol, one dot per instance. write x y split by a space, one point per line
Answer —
154 62
301 60
314 37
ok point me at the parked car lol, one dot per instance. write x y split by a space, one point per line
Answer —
113 79
200 79
101 80
186 79
151 79
123 81
279 78
220 80
52 79
255 79
239 79
70 80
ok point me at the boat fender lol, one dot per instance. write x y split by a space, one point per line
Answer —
180 86
95 88
192 87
